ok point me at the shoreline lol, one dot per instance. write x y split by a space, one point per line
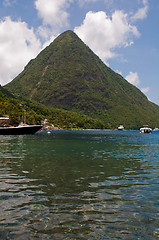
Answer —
82 129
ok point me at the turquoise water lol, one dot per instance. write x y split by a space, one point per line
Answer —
79 185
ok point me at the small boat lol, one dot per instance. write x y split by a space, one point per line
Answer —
146 129
20 130
121 127
156 129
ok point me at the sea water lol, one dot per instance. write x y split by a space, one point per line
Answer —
79 185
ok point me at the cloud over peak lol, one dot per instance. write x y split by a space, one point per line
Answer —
103 33
53 13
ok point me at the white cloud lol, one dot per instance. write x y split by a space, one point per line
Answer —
18 44
142 12
133 78
53 12
54 16
103 33
47 43
145 90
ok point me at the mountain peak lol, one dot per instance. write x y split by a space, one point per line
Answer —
68 75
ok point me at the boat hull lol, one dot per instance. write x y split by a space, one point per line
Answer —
145 130
20 130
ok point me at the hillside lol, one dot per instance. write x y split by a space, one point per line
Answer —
68 75
35 113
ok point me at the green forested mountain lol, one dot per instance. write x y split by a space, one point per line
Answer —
68 75
35 113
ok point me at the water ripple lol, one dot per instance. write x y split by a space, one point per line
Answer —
79 185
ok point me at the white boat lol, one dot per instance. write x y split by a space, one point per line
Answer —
156 129
146 129
121 127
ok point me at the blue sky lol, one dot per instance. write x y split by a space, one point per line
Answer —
123 33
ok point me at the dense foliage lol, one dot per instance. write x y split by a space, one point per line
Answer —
67 75
15 109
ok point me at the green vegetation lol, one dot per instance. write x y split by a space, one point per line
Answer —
79 90
14 108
